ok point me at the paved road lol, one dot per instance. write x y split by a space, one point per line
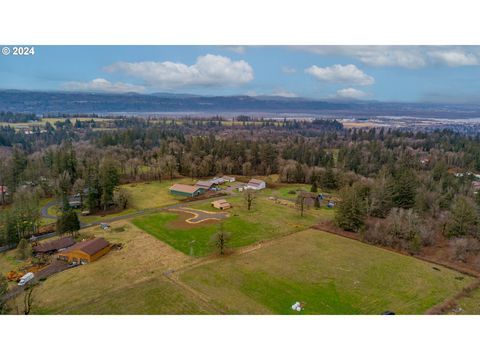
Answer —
46 207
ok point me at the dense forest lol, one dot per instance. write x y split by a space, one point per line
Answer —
400 189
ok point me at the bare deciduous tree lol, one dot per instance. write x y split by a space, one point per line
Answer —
221 239
249 196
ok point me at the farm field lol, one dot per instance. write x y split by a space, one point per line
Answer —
266 220
329 273
126 281
42 122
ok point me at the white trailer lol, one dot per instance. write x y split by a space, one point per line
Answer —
26 278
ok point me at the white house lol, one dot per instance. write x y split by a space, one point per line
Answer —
255 184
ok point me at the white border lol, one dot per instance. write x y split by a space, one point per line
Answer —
238 337
242 22
272 22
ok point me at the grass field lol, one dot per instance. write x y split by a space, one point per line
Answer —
126 281
266 220
470 304
153 194
329 273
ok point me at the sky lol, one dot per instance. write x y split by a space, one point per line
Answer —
382 73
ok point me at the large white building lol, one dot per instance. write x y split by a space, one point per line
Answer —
255 184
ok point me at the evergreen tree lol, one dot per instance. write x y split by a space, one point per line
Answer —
68 222
350 213
402 188
464 218
329 179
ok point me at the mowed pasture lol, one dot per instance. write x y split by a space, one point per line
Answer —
329 273
266 220
126 281
154 194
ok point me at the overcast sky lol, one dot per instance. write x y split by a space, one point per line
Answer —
400 73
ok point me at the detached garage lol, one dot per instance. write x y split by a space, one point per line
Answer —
85 252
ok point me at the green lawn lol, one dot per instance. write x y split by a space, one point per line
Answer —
265 221
154 194
329 273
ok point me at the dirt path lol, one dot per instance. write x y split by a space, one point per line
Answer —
201 215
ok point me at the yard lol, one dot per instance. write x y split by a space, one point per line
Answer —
266 220
143 196
153 194
126 281
329 273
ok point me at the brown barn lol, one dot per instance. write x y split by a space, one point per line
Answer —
86 251
53 246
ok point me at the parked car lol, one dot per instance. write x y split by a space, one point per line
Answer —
26 278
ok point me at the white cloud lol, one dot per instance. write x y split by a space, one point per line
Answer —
454 58
351 93
288 70
209 70
340 74
102 85
410 57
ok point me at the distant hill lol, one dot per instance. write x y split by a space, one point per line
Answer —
40 102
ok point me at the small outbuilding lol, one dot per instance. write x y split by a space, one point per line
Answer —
85 252
221 204
186 190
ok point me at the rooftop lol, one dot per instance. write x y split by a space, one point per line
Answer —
89 247
184 188
54 245
207 183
